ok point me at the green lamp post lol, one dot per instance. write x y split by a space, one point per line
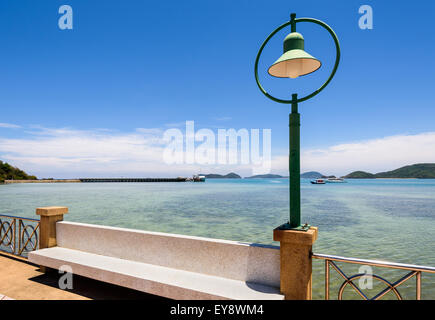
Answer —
293 63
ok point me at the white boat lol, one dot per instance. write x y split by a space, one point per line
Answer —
318 181
198 178
335 180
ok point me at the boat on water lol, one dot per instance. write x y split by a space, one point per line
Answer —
198 178
318 181
335 180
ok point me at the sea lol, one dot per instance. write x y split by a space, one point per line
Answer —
382 219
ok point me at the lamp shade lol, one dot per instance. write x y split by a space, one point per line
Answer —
295 61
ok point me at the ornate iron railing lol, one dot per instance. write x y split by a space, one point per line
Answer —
18 235
414 270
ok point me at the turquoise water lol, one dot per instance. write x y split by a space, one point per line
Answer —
372 219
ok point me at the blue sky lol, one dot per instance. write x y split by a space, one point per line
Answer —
141 64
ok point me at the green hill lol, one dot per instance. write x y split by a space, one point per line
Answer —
360 175
311 175
8 172
419 170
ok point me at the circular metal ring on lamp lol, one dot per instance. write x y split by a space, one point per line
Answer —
337 59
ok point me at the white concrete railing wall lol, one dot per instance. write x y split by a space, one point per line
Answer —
222 258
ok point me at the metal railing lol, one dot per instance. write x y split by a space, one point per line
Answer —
414 270
21 242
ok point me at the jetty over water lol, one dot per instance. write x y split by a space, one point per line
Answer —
43 181
179 179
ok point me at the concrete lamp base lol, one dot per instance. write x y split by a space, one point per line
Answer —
47 236
296 262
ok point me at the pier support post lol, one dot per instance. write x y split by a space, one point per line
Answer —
47 235
296 262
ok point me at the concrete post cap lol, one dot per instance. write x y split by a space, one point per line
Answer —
51 211
295 236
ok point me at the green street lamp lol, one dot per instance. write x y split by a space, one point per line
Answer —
293 63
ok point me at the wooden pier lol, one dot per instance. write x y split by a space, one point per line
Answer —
43 181
179 179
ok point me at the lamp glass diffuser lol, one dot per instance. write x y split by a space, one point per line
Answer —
295 61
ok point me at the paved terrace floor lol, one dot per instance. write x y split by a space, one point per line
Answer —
22 280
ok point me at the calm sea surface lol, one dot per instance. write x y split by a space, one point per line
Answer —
372 219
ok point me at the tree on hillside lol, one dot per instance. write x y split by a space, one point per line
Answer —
8 172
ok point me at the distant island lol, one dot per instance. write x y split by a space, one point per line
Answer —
360 175
311 175
8 172
265 176
231 175
418 171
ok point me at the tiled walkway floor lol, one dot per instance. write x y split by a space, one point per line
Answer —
22 280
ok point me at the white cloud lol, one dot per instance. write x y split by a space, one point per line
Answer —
150 131
9 125
68 153
76 152
374 155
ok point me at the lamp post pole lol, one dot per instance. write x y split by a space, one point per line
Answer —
284 67
295 164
